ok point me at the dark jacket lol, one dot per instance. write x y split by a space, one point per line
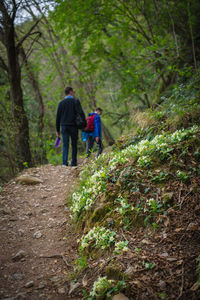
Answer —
66 112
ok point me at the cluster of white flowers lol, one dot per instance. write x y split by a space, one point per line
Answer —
86 196
144 161
95 184
160 143
194 129
81 200
100 235
159 139
120 247
150 201
102 238
117 158
142 147
180 135
124 205
101 285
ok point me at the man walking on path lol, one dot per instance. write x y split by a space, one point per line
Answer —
65 117
94 136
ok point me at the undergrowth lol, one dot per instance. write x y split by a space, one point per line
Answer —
137 186
122 168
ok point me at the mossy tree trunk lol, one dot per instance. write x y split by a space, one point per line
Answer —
21 129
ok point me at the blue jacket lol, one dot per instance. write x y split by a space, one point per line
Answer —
97 128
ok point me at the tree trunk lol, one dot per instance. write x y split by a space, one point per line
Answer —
21 129
36 89
38 95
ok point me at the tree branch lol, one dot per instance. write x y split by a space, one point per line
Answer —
144 12
32 42
4 11
15 8
128 12
121 116
27 35
174 34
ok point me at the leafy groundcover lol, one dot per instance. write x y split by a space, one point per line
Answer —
138 212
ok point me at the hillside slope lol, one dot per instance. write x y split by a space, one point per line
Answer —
137 220
139 214
135 212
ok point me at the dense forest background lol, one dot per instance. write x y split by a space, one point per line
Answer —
126 56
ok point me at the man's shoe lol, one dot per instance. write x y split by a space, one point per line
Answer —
73 163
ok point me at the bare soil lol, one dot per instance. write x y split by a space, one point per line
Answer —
38 242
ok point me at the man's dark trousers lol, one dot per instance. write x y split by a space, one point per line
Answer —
67 132
90 144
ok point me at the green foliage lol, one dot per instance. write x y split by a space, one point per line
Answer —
145 162
135 49
120 247
104 288
81 263
138 250
8 164
54 155
182 176
91 187
161 149
149 265
134 188
125 56
155 206
162 295
98 237
160 177
123 205
25 164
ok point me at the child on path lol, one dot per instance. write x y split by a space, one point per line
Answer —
95 135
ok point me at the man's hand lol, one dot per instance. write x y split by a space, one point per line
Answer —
58 134
97 139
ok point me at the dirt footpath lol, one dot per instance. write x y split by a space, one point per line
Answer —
37 241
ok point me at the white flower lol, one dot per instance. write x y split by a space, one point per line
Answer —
121 247
150 201
95 184
101 236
